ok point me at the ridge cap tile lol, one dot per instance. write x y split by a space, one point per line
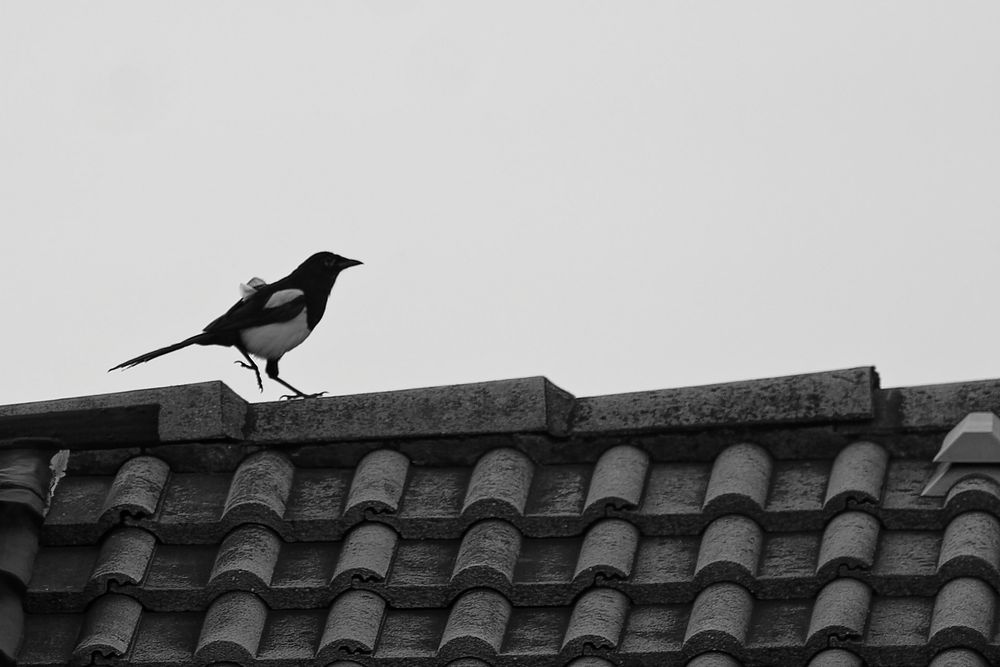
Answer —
352 625
477 623
731 549
720 618
840 611
857 476
500 483
108 628
124 558
964 611
608 552
740 479
849 540
489 549
838 395
971 546
245 559
618 480
232 628
378 483
531 404
597 622
259 490
200 411
366 554
836 657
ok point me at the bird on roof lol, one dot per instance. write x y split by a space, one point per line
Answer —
269 319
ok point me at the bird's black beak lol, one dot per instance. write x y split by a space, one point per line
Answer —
348 263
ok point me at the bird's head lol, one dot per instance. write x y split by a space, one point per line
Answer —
326 264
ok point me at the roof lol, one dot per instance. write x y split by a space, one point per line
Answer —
765 522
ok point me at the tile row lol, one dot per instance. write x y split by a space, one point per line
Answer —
361 626
542 500
528 571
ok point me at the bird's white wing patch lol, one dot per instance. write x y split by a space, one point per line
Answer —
281 297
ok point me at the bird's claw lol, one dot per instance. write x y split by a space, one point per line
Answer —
292 397
256 371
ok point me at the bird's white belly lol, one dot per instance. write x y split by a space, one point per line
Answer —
273 340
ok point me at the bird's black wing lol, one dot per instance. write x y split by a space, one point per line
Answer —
266 306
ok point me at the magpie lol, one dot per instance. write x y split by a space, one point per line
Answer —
270 319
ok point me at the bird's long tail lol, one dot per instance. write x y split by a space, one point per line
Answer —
201 338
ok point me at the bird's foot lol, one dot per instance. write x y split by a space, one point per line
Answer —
256 372
292 397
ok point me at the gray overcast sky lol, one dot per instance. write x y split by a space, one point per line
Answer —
618 195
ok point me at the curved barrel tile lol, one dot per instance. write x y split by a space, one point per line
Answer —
378 483
353 625
857 476
136 490
618 480
741 478
499 485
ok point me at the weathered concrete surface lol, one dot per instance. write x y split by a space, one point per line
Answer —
204 411
523 405
842 395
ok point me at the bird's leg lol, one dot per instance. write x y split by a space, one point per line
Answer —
272 372
250 365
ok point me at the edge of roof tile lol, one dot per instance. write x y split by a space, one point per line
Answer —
203 411
936 406
531 404
840 395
